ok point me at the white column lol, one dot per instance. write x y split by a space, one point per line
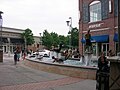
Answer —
8 47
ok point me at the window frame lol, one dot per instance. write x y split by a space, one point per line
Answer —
95 6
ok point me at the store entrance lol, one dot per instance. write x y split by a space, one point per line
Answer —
105 48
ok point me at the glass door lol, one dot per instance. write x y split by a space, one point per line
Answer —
105 48
94 47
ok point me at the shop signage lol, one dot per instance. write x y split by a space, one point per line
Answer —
95 25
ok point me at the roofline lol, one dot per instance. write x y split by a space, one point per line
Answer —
16 29
13 28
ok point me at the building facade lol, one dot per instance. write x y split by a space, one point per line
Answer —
100 17
11 39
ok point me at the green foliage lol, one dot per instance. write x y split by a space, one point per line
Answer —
50 39
55 38
28 35
74 37
47 39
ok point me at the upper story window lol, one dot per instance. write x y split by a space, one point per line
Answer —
116 7
95 11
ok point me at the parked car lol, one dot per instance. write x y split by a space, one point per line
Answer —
43 52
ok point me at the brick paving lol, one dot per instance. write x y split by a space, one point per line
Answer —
42 85
20 77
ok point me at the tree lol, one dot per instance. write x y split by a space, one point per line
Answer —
47 39
28 37
74 37
63 39
53 38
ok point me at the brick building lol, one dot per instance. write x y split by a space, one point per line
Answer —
100 17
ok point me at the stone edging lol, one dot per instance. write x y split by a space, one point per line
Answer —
73 71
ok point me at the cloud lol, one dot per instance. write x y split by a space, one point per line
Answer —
40 14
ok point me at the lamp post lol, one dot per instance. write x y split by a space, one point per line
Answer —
25 44
82 43
118 26
69 23
1 49
40 40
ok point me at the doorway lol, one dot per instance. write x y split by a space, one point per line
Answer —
105 48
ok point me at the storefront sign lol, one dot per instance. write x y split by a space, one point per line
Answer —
95 25
11 35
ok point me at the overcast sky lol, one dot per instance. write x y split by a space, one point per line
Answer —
39 15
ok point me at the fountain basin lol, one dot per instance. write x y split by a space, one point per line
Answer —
84 72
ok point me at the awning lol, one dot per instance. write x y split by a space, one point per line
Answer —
115 37
17 40
100 38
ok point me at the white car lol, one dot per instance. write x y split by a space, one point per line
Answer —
44 53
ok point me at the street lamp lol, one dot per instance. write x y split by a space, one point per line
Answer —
1 50
25 44
69 23
118 26
40 40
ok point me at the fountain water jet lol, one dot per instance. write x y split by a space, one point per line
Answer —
86 59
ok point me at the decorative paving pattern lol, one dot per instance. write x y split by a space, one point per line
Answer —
42 85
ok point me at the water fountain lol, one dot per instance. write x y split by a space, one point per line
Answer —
83 61
76 68
86 59
82 68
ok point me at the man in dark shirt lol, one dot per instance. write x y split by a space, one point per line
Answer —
103 63
88 44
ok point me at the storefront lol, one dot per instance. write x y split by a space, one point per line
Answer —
100 17
99 43
11 39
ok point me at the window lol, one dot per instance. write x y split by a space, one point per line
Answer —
95 11
85 14
110 6
116 7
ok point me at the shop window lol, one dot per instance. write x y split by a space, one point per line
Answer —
94 48
85 16
95 11
116 7
104 9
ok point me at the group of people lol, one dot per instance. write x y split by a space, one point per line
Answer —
71 53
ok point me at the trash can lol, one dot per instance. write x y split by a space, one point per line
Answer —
1 56
102 79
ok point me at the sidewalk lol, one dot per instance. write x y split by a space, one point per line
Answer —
20 77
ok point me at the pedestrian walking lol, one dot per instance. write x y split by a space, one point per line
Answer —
18 56
15 58
24 55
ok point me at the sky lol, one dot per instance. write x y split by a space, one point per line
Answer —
40 15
